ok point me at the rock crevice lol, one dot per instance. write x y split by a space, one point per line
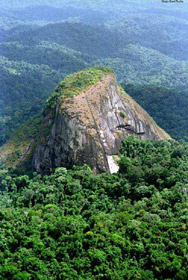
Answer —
90 127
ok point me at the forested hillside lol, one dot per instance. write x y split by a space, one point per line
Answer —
73 224
144 43
20 96
167 106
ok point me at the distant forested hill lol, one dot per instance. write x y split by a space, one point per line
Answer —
39 45
167 106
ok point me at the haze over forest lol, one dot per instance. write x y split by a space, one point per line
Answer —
144 42
87 190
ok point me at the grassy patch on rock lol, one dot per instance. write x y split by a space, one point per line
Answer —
75 83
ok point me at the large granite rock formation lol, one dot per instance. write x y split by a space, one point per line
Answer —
90 126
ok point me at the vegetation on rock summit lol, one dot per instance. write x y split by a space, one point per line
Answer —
76 83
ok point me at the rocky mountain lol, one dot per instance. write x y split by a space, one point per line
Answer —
85 121
144 42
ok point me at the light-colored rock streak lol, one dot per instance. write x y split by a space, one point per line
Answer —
85 129
113 166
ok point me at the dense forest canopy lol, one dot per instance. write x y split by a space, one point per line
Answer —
73 224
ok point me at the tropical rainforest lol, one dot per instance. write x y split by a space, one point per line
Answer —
145 43
73 224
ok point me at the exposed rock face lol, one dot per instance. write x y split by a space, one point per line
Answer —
90 127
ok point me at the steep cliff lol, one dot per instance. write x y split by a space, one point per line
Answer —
88 116
90 126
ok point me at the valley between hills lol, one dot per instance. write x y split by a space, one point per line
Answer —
93 140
